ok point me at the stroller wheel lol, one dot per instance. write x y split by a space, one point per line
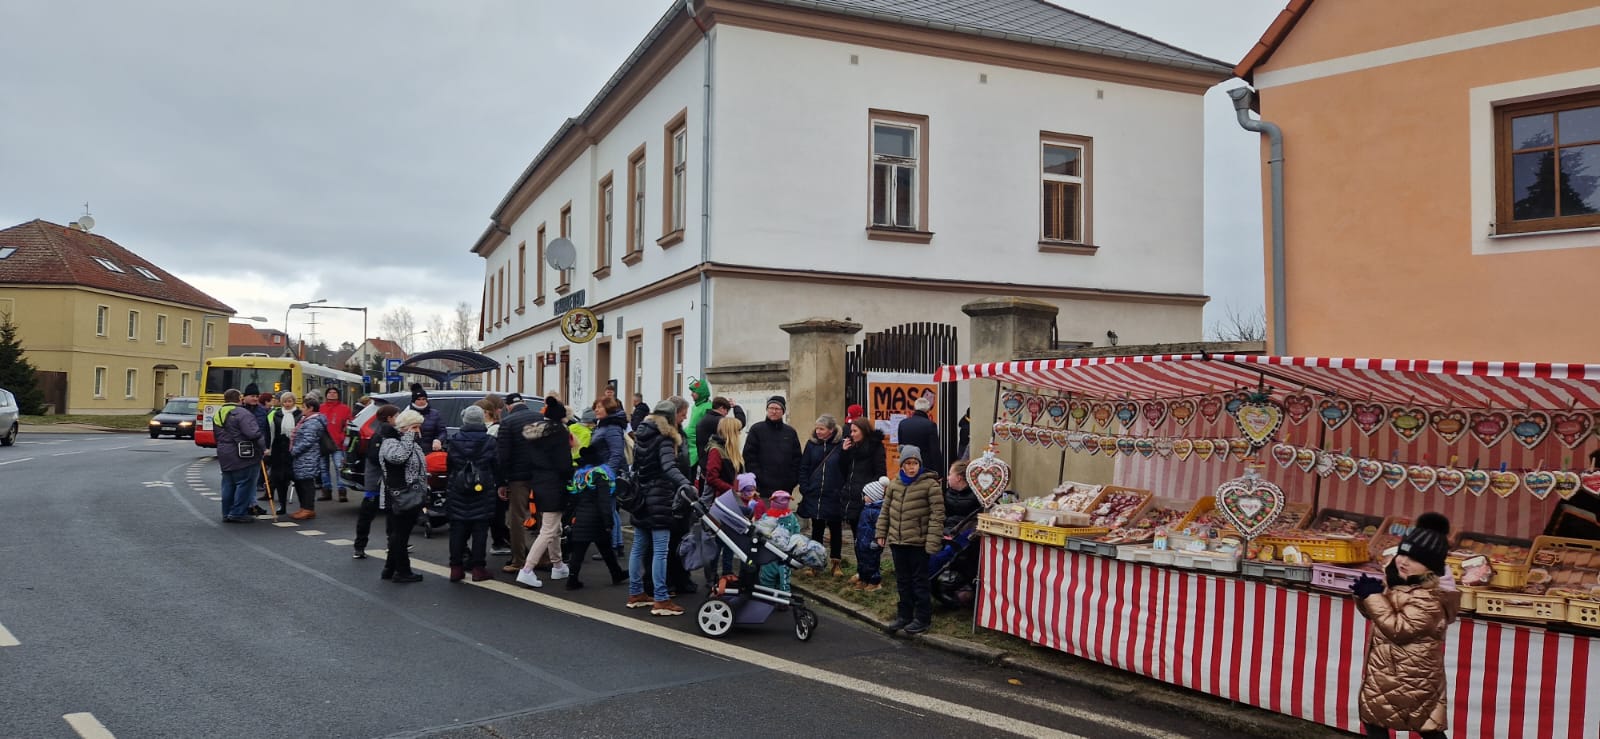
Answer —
715 617
805 622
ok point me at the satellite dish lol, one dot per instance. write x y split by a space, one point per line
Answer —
86 222
561 254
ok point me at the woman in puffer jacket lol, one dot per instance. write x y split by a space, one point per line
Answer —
403 468
1403 684
863 454
470 494
309 462
660 458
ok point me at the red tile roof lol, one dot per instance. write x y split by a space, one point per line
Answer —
52 254
1271 40
389 349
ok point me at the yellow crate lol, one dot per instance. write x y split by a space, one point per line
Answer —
1321 549
1054 536
1583 613
1469 598
1521 606
999 527
1507 575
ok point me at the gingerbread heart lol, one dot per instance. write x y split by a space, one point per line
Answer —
1489 427
1258 421
1529 428
1324 465
1075 441
1539 482
1567 484
1061 436
1250 504
1182 411
1056 410
1422 478
1047 438
1183 448
1477 481
1204 448
1448 424
1408 422
1240 449
1224 446
1146 447
1102 414
989 477
1108 445
1369 470
1126 445
1449 480
1001 433
1091 444
1035 406
1155 411
1232 402
1394 474
1504 483
1591 482
1126 412
1571 428
1283 454
1030 434
1012 401
1368 416
1211 408
1297 407
1333 412
1078 410
1164 447
1305 459
1344 466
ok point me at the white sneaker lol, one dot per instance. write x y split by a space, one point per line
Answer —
559 572
526 577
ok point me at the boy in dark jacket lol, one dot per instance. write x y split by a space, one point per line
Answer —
470 494
869 554
588 511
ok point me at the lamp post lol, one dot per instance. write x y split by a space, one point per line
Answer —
363 333
408 336
199 376
295 307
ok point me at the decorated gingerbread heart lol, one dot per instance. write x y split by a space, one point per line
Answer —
1204 448
1368 417
1102 415
1591 482
1240 449
1297 407
1183 448
1539 482
1408 422
1047 438
1146 447
1258 420
1155 411
1232 402
1283 454
1571 428
1489 427
1530 427
1012 401
1164 447
1250 504
1075 441
989 477
1567 484
1078 410
1126 445
1055 409
1477 481
1305 459
1182 411
1091 444
1394 474
1344 466
1030 434
1035 406
1333 412
1061 436
1504 484
1108 445
1449 424
1449 480
1369 470
1422 477
1324 465
1210 408
1126 412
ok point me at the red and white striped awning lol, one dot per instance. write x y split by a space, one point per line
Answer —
1505 385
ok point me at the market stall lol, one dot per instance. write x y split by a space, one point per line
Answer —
1345 453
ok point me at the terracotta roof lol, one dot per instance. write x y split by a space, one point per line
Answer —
389 349
1276 33
51 254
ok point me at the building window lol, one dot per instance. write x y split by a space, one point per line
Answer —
635 362
538 266
108 264
672 359
675 179
100 383
522 276
1064 183
207 334
522 371
131 383
898 186
6 251
1548 164
183 383
505 297
566 233
161 329
603 239
147 274
133 325
635 204
187 330
102 314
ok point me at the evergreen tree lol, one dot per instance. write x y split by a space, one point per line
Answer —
16 374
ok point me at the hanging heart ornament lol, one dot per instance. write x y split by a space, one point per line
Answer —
1012 401
1056 410
1567 484
1258 420
1297 406
989 477
1283 454
1250 504
1183 448
1449 480
1477 481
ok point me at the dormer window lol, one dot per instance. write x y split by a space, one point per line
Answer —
109 265
6 251
147 273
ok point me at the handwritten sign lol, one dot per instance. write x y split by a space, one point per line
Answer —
892 396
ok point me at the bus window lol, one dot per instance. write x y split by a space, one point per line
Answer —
221 379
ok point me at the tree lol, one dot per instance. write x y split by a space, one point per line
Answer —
438 337
16 372
461 326
1237 325
397 325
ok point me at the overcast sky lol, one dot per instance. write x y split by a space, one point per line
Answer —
279 152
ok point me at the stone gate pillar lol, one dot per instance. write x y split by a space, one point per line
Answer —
816 371
1003 329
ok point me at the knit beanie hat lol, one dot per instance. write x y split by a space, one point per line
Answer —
554 410
744 481
417 391
909 452
873 491
781 403
472 414
666 408
1428 543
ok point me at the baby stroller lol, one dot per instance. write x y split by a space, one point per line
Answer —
433 517
953 570
741 599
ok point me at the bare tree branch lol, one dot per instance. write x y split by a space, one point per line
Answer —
461 326
1240 325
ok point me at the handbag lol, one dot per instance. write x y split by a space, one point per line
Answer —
411 498
326 438
246 448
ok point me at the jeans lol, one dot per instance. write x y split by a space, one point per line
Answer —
400 526
369 511
338 464
239 491
460 533
911 580
657 540
616 524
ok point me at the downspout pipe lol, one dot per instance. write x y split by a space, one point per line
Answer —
705 197
1242 99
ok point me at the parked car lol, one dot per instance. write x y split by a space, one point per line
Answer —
358 433
9 417
177 419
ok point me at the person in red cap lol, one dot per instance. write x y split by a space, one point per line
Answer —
853 412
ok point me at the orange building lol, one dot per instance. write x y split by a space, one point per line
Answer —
1441 177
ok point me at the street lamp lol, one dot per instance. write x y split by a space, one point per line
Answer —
294 307
199 377
407 336
363 332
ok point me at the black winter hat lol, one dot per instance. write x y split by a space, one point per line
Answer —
784 404
251 389
417 391
554 410
1428 542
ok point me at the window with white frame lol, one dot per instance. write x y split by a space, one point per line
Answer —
187 331
108 264
133 325
566 233
100 382
636 203
603 244
131 383
183 383
207 334
680 177
1063 168
102 315
147 274
897 173
161 329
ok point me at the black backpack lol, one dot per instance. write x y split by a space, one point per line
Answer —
468 479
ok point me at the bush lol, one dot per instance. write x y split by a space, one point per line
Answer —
16 373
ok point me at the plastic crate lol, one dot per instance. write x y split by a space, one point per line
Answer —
1521 606
1086 545
1145 555
1469 598
999 527
1584 613
1362 519
1275 571
1053 536
1321 549
1390 532
1507 575
1208 562
1337 579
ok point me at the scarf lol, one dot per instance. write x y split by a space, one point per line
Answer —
904 480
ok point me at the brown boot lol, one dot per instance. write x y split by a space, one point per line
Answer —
457 573
809 572
325 495
480 574
344 495
304 514
836 572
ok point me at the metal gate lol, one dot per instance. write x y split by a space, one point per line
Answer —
909 347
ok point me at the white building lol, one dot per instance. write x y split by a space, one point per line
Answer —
886 162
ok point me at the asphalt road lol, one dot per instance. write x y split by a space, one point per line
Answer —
126 604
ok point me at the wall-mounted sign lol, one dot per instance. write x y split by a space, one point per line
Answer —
568 302
579 325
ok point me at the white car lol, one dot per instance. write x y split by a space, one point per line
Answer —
8 418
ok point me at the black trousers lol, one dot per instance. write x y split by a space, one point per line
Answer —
911 580
460 534
677 575
369 511
305 493
834 527
580 548
1374 731
498 530
281 481
400 526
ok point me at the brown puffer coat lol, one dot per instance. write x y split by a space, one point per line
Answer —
913 514
1403 683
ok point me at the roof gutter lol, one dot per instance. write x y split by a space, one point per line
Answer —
1243 97
705 196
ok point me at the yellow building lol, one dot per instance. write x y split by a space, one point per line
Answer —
108 331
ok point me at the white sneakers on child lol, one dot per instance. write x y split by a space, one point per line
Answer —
560 572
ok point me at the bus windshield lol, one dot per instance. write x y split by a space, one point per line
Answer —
221 379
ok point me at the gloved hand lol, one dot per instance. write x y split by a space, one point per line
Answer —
1367 585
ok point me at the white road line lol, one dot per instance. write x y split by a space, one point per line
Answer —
310 532
977 687
88 726
112 449
14 461
897 708
340 542
776 664
285 524
6 639
67 454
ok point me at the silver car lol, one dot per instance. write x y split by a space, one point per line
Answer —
8 418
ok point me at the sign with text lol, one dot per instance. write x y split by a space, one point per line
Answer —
568 302
892 396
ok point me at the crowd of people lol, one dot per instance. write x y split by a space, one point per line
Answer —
540 484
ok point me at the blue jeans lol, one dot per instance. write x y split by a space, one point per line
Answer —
338 464
659 541
616 525
239 491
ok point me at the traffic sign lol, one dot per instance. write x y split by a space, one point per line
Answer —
392 378
391 366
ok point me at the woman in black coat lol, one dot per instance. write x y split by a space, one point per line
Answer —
588 514
822 483
660 458
863 450
470 494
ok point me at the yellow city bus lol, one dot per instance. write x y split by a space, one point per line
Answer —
274 374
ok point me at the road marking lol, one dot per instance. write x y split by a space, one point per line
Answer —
14 461
285 524
340 542
776 664
68 454
6 639
158 484
897 708
88 726
310 532
112 449
977 687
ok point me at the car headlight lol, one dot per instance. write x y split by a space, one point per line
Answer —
186 423
155 423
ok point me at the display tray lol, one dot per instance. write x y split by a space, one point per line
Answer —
999 527
1208 562
1142 500
1320 548
1157 513
1053 536
1337 578
1327 522
1275 571
1144 555
1508 575
1088 545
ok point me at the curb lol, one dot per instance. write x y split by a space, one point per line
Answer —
1127 686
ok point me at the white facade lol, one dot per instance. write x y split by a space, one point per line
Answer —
789 186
